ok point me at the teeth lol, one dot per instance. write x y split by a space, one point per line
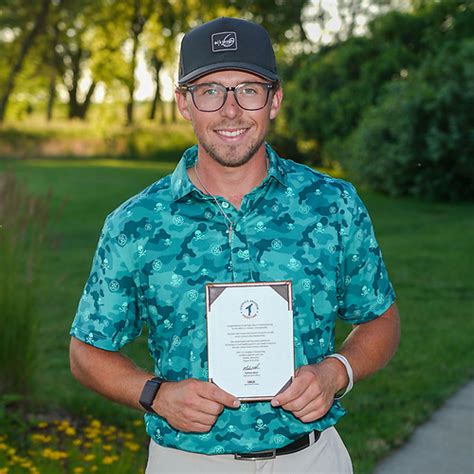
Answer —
229 134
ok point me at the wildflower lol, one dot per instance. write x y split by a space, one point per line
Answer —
42 424
3 470
94 468
77 442
132 446
89 457
95 424
3 446
109 459
107 447
40 438
78 470
138 422
70 431
54 455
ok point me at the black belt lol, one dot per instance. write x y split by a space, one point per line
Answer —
294 447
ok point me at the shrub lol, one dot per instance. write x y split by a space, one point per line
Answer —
23 220
419 140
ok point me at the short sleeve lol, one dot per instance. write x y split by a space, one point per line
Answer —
364 288
108 315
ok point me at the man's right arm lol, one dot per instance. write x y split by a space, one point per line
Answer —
189 405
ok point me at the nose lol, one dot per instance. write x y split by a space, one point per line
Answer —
230 108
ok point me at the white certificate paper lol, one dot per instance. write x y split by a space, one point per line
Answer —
250 338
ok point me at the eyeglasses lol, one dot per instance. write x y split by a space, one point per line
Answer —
210 97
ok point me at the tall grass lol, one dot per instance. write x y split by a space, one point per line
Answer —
23 221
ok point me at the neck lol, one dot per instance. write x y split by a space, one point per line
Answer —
232 183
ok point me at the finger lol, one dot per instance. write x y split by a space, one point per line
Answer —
311 416
314 410
209 407
200 418
300 403
199 427
216 394
293 392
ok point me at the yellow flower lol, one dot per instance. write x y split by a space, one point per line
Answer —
91 434
88 445
40 438
3 446
54 455
94 468
78 470
96 424
107 447
70 431
89 457
108 459
42 424
77 442
132 446
138 423
3 470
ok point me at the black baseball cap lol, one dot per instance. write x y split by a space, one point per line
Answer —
226 43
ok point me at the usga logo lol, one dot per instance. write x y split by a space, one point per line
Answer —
249 309
224 41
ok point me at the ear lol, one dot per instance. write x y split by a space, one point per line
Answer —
182 103
276 103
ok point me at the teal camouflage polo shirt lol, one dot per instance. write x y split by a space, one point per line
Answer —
160 248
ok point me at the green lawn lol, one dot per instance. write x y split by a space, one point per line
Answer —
428 251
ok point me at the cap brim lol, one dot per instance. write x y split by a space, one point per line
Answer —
254 69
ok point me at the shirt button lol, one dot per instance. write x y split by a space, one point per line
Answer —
225 204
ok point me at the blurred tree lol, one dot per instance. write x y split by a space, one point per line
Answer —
329 91
29 21
419 139
140 13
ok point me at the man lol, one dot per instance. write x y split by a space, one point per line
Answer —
233 211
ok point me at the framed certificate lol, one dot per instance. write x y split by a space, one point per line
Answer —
250 338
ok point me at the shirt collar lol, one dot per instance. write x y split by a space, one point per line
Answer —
181 185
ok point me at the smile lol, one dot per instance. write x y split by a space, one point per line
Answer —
231 133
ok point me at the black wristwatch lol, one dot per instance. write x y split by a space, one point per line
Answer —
149 393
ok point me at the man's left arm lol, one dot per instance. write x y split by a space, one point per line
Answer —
368 348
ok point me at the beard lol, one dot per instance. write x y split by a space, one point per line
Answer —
230 156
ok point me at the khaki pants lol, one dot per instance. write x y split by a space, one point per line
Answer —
327 455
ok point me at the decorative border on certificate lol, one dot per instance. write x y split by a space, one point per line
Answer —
250 338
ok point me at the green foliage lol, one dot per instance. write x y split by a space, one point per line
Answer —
387 79
96 140
23 220
419 140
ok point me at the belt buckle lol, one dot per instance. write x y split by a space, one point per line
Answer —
262 455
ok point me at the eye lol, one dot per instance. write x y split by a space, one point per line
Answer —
208 90
249 89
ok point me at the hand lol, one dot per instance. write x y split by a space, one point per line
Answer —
192 405
311 394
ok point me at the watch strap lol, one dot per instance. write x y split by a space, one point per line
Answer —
149 392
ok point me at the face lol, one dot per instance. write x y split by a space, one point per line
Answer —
231 136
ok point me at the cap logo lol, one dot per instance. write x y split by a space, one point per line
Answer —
224 41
